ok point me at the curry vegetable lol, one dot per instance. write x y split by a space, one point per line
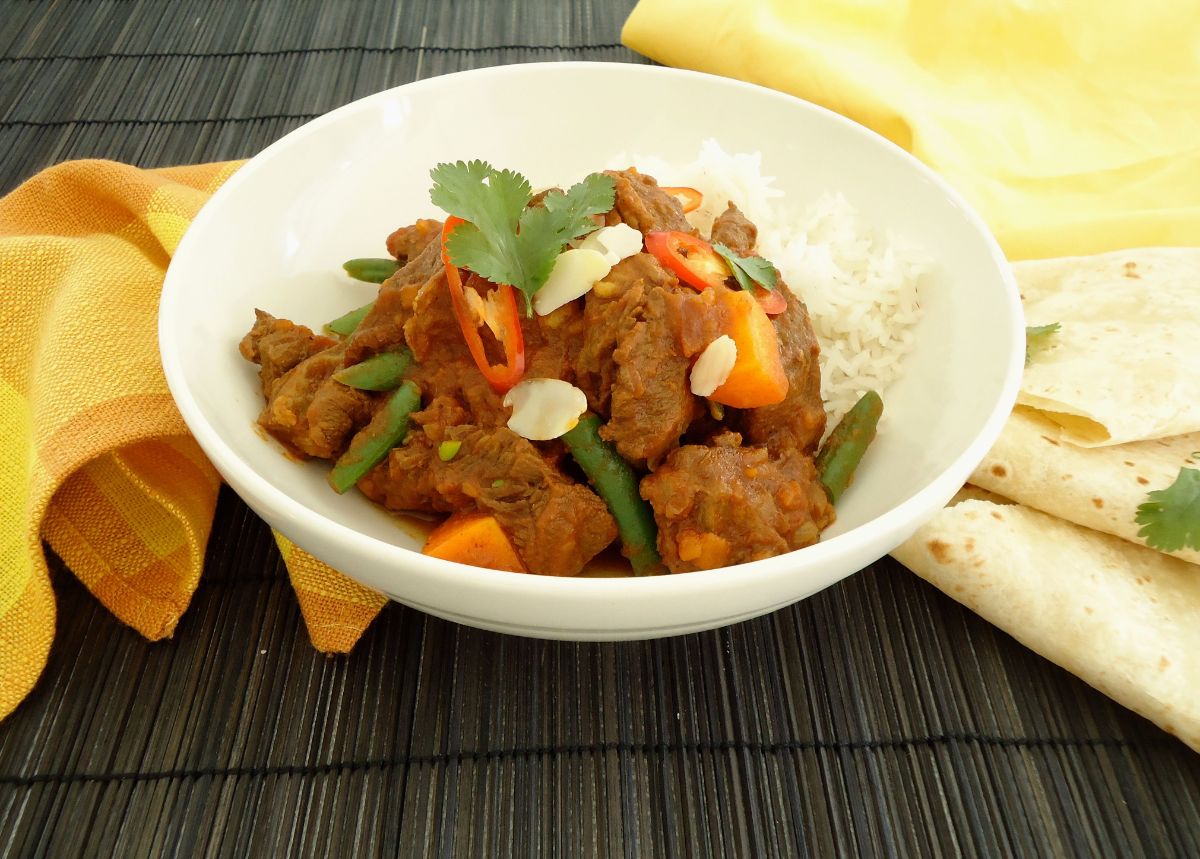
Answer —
345 324
382 372
371 270
844 448
372 443
615 481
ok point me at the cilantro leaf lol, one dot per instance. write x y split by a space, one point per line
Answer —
475 191
487 259
1170 518
538 245
1037 337
504 239
573 211
750 270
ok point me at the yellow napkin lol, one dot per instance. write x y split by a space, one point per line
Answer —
94 457
1073 127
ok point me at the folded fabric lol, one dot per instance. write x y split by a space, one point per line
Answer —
94 457
1071 127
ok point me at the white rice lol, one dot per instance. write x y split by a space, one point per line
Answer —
862 292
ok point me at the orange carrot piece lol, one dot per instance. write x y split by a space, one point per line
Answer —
474 538
757 378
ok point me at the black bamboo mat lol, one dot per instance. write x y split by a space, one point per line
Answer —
877 718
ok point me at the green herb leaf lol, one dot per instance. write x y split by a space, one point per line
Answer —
1037 337
505 240
476 191
572 212
748 271
1170 518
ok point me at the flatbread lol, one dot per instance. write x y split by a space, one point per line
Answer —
1121 617
1098 487
1123 367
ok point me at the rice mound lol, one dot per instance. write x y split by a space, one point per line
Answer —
862 293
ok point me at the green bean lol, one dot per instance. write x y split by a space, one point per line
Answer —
844 448
449 449
381 372
371 270
614 480
372 443
346 324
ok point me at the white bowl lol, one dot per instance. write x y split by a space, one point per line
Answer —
274 237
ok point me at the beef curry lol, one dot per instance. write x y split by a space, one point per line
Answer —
708 481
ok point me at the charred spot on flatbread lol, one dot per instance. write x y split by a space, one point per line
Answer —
940 551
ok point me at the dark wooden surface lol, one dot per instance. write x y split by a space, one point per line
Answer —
877 718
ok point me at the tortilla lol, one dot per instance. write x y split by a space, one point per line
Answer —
1098 488
1121 617
1123 365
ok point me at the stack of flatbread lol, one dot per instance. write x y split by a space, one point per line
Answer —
1044 540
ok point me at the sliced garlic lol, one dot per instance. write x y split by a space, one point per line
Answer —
574 272
543 409
713 366
616 242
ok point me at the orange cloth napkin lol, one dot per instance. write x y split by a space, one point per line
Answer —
94 457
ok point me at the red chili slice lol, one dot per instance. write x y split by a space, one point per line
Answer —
689 198
771 300
501 376
692 260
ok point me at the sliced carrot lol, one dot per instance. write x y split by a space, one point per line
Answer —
474 538
757 378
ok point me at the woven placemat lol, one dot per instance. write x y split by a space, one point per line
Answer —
876 718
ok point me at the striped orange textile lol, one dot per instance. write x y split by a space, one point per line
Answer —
94 457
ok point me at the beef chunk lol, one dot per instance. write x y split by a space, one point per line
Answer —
643 205
630 364
734 230
610 310
696 319
409 241
728 504
383 328
555 524
799 421
311 413
440 413
553 342
278 345
652 402
432 330
444 365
